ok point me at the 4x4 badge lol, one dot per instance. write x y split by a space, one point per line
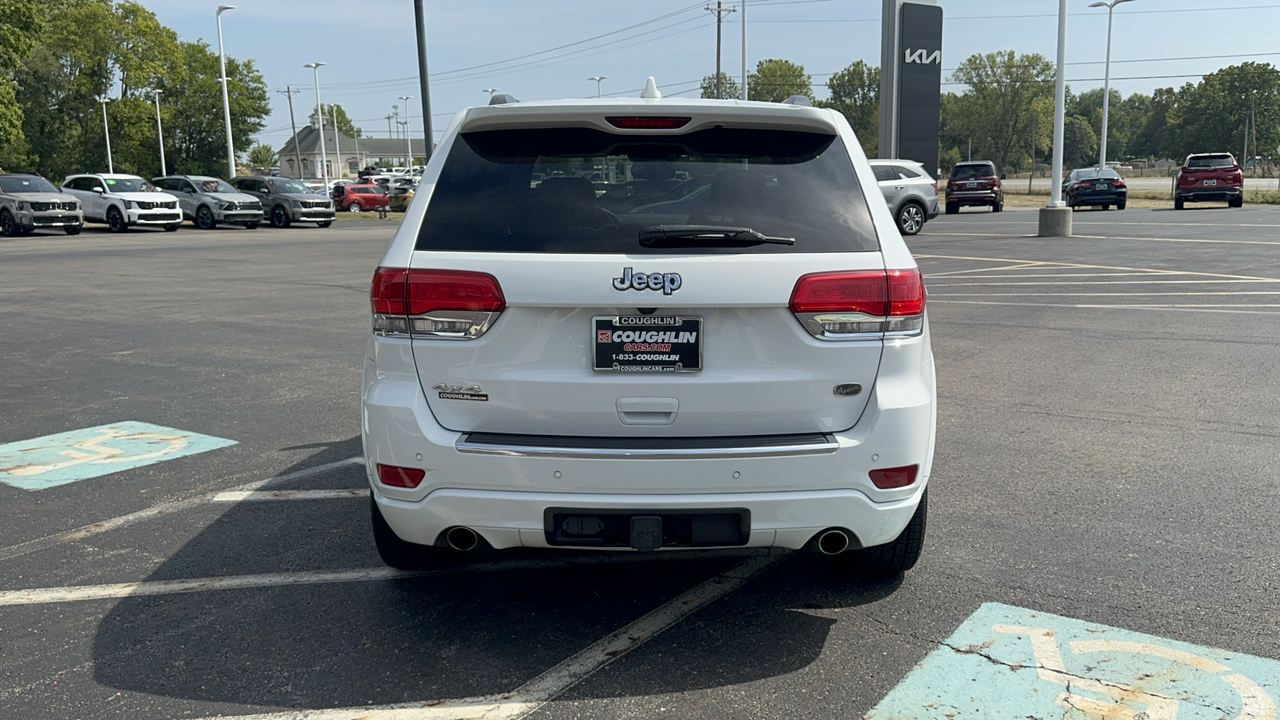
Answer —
666 282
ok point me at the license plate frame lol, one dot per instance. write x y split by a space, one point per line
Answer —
670 350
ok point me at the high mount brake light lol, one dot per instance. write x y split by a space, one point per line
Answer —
648 123
452 304
857 305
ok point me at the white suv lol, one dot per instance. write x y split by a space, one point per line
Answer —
720 342
123 201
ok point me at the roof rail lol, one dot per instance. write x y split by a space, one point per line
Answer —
800 100
502 99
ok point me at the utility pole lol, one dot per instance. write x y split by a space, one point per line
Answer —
389 126
289 92
744 49
1035 120
719 11
337 140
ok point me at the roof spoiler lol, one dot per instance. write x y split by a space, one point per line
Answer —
800 100
502 99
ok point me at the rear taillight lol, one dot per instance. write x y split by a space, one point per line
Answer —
1118 183
401 476
890 478
858 304
451 304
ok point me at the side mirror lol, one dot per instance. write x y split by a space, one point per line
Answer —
98 189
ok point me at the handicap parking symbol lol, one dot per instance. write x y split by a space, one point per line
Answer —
1010 662
68 457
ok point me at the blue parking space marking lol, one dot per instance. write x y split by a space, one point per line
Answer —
68 457
1009 662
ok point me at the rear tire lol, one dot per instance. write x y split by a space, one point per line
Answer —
280 217
400 554
1120 205
894 558
74 230
952 208
1177 203
354 207
911 218
998 207
1106 207
1236 203
8 225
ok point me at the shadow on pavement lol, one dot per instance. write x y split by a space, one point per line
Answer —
417 639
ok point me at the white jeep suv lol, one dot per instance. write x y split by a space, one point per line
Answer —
643 324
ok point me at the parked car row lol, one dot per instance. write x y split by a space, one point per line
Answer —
121 201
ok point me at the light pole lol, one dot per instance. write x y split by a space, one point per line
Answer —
1055 217
337 139
106 129
324 156
226 104
395 114
159 131
491 91
744 49
1106 88
408 146
598 79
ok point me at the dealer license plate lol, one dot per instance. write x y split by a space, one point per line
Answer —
647 343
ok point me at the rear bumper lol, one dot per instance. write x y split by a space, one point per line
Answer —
1210 194
790 497
1098 198
972 198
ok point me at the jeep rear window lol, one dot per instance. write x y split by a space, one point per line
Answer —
580 190
967 172
1211 161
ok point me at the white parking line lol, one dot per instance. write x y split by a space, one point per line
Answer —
1066 265
154 511
235 496
527 698
1172 308
1102 282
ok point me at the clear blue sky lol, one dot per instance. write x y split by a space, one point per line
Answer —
370 51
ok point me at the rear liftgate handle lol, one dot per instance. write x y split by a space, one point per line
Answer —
647 411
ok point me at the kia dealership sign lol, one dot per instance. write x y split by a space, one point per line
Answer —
911 81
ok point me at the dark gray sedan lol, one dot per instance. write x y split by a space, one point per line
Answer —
286 201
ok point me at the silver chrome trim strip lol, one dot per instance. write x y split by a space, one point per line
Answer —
471 448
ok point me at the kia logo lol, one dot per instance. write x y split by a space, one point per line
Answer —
666 282
923 57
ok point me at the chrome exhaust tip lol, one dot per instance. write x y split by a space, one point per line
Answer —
461 539
833 542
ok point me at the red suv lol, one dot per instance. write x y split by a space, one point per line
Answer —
1208 177
974 183
355 198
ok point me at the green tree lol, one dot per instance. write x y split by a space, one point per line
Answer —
777 80
262 156
729 89
855 93
195 130
1213 115
1079 143
345 126
995 111
20 24
1151 139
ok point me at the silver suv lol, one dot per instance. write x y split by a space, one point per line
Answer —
207 201
286 201
911 192
29 202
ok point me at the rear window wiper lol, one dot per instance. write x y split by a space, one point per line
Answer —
705 235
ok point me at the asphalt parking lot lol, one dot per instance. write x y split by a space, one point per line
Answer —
1107 454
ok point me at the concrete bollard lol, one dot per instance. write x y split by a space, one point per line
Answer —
1055 222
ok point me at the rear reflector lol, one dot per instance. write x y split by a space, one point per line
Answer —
891 478
400 476
436 303
648 123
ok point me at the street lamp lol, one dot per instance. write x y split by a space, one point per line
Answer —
106 129
159 131
598 79
408 148
1106 90
491 91
1055 217
226 104
324 157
